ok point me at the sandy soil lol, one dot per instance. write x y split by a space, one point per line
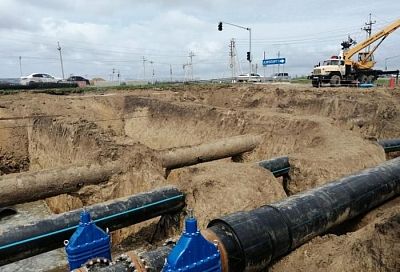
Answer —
327 133
219 188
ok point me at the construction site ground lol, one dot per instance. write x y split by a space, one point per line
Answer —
327 133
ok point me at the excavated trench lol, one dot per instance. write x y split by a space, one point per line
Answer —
326 136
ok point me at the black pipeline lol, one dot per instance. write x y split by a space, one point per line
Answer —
253 239
390 145
44 235
278 166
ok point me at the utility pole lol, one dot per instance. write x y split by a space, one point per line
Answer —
251 57
113 72
152 68
170 72
20 65
61 60
191 55
264 67
232 55
279 55
237 66
144 68
368 28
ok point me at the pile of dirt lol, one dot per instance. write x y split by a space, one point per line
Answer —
219 188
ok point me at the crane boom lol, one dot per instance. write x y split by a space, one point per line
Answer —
362 64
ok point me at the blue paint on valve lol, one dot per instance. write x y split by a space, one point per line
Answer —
193 253
88 242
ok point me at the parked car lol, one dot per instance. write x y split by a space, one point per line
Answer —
39 78
245 78
281 77
78 79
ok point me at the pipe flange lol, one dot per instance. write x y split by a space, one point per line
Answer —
128 263
96 262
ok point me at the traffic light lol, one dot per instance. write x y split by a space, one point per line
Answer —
248 56
220 26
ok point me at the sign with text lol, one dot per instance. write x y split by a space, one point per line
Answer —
274 61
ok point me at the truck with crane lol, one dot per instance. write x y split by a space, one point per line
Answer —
343 71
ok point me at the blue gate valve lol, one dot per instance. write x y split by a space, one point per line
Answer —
193 253
88 242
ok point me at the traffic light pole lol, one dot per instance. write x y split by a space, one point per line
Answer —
247 28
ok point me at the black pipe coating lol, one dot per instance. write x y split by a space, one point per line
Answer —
44 235
390 145
253 239
155 259
278 166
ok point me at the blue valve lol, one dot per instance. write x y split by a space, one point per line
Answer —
88 242
193 253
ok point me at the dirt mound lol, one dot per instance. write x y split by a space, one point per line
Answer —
218 188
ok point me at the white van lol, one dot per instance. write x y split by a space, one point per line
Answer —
281 77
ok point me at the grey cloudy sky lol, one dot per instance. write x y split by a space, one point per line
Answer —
99 35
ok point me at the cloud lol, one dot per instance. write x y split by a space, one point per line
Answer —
97 36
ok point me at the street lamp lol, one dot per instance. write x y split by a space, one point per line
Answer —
249 56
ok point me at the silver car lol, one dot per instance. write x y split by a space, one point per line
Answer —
39 78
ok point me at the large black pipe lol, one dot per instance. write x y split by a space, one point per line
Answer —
278 166
44 235
253 239
390 145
